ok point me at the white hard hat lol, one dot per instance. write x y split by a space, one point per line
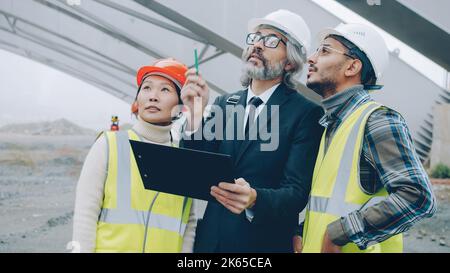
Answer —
367 39
288 22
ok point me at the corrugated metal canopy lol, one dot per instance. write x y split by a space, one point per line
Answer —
104 42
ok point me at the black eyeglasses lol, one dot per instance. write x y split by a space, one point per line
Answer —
270 41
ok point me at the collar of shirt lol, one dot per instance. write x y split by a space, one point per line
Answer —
265 96
338 106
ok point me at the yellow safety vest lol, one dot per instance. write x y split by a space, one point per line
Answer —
125 210
336 189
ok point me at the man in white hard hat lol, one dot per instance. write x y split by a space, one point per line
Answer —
258 212
369 185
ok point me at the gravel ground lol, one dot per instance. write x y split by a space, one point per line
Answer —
432 235
38 176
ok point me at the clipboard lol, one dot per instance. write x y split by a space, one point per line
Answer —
181 171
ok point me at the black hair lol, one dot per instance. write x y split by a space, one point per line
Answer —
176 88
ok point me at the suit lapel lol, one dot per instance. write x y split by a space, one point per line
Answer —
279 97
235 126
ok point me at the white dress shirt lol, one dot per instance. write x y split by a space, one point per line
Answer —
265 96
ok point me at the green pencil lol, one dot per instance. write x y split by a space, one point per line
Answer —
196 60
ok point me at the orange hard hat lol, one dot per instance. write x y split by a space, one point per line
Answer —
168 68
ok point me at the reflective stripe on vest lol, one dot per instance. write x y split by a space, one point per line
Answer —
115 216
322 210
336 203
121 213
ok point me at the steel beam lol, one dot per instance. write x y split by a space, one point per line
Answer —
407 26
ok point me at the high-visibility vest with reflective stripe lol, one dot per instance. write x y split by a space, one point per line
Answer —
126 204
336 189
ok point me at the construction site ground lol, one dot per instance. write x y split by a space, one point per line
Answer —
38 176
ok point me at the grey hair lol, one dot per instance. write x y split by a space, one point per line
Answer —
296 56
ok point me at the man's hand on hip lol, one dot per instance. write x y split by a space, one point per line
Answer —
328 246
297 244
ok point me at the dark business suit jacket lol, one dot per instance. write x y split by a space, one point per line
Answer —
281 178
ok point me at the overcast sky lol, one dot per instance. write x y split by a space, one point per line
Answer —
30 91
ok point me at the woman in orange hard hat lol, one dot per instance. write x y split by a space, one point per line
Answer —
113 211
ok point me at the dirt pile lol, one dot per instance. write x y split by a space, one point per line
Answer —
60 127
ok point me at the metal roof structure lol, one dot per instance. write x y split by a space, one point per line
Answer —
104 42
422 25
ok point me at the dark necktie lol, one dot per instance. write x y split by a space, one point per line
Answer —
254 103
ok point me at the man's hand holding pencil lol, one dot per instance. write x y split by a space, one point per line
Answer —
195 96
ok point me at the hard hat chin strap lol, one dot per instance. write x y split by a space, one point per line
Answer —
373 87
367 72
177 117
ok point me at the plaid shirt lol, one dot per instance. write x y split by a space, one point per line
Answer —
388 160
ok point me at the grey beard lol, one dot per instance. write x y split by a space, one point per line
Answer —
264 73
